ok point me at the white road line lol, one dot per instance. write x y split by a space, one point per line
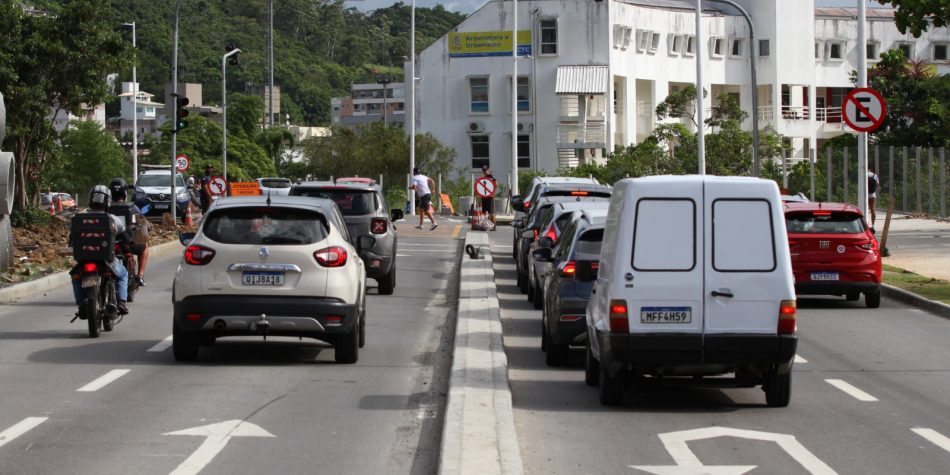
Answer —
103 380
851 390
427 411
161 346
799 359
20 428
933 436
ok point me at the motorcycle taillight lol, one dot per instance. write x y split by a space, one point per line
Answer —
90 267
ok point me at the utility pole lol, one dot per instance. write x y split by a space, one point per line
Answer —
412 104
385 80
224 109
173 170
701 155
270 49
135 109
514 97
863 136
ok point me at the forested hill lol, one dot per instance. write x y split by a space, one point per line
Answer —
320 46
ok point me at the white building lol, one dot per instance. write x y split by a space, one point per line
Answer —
369 102
147 111
87 113
578 53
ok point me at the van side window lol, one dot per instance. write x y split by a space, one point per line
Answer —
664 235
743 236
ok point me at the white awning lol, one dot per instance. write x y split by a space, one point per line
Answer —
580 80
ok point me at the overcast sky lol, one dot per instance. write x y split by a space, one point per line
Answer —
468 6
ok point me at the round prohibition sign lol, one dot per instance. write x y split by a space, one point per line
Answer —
864 109
218 185
485 187
181 162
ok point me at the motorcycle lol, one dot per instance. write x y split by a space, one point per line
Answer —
127 257
98 284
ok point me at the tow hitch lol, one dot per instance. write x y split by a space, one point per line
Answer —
262 326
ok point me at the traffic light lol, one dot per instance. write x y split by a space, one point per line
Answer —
181 113
233 59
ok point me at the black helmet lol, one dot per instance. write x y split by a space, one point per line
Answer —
118 186
100 197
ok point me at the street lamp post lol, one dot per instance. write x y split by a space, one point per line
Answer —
224 110
135 110
174 205
412 105
270 49
514 98
385 80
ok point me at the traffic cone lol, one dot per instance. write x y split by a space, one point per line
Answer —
476 216
52 206
188 221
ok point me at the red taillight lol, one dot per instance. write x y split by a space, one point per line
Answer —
869 245
579 193
89 267
331 257
571 318
787 315
333 320
198 255
535 234
378 226
594 265
569 269
551 233
193 317
822 213
793 243
527 205
618 317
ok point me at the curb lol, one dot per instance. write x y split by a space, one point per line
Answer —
939 309
479 431
60 279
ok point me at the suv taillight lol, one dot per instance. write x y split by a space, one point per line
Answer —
331 257
535 234
569 269
527 205
198 255
377 226
551 233
618 317
787 315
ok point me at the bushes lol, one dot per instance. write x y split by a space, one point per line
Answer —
30 217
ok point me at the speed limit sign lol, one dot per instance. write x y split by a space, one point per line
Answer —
181 162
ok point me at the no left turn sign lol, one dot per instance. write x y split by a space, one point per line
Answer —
485 187
218 185
864 109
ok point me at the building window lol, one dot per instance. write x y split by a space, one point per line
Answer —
150 110
139 110
676 44
690 45
479 95
941 53
834 50
819 50
548 27
480 156
524 151
643 40
764 47
738 45
717 47
524 93
654 42
907 49
871 51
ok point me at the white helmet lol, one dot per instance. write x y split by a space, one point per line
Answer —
101 196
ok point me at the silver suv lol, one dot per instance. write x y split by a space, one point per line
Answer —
366 213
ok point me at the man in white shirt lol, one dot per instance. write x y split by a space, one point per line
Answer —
873 183
423 186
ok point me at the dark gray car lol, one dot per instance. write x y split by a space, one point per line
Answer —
365 212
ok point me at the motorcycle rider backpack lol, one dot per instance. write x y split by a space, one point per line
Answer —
92 237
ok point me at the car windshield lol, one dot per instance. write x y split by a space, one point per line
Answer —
823 222
275 183
269 225
351 202
157 179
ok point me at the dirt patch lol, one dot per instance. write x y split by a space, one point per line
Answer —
43 250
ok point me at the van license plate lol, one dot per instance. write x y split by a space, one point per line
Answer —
666 315
824 276
263 278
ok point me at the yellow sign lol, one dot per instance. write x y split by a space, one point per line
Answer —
245 188
487 43
447 202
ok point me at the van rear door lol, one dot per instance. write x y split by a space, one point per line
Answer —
664 287
745 273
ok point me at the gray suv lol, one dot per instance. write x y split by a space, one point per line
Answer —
365 213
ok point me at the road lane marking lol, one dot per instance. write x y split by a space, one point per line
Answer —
20 428
799 359
162 345
103 380
216 437
456 230
851 390
934 437
427 411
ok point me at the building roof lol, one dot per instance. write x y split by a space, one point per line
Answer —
852 13
581 79
684 5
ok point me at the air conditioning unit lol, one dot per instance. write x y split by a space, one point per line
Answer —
525 127
476 127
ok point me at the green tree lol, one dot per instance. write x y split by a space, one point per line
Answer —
202 141
89 156
916 15
52 63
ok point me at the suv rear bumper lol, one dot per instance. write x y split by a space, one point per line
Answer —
235 315
385 264
652 350
836 288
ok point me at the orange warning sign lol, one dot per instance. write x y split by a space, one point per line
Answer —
245 188
447 202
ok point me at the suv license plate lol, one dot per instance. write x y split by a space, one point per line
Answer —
824 276
262 278
161 205
666 315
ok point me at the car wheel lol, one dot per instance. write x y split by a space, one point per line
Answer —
852 296
611 387
558 354
591 368
778 389
530 291
872 299
347 346
544 332
538 298
184 344
387 282
363 327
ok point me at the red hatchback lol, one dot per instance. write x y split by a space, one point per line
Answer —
833 251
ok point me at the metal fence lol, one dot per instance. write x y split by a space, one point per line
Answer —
914 177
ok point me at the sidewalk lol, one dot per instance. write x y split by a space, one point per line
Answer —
919 245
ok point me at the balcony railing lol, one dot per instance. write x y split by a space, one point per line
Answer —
822 114
581 135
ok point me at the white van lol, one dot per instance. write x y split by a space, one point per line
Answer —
694 280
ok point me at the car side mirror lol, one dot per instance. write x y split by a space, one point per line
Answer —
586 271
517 224
396 214
545 243
542 255
517 202
186 238
365 242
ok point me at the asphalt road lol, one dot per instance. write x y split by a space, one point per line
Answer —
865 381
277 407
